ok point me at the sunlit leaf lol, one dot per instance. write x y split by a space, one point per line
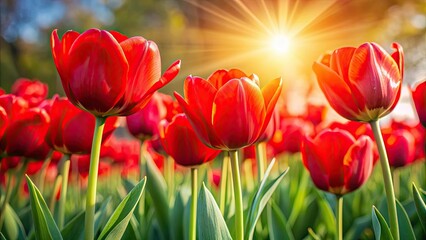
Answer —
210 222
263 194
381 228
405 229
277 224
12 225
119 220
420 206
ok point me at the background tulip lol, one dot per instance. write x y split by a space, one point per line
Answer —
71 129
33 91
228 110
337 162
364 83
419 98
180 141
144 123
106 73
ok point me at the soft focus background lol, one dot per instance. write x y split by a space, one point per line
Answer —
270 38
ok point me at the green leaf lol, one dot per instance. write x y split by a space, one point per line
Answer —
75 227
420 206
261 198
2 236
181 201
313 234
210 222
12 225
157 189
44 225
326 214
119 220
406 231
381 228
277 224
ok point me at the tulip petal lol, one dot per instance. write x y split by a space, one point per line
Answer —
336 91
81 122
200 95
398 56
332 147
60 51
242 101
202 128
340 61
358 163
314 163
374 77
221 77
98 71
271 92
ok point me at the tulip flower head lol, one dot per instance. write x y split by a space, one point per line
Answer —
229 111
337 162
419 98
180 141
364 83
107 73
33 91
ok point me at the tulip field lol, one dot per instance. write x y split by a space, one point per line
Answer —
222 157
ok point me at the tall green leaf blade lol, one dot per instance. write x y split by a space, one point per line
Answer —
74 230
277 224
45 226
210 222
157 189
119 220
420 206
406 231
12 225
261 198
381 228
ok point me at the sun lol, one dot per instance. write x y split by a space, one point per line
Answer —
279 43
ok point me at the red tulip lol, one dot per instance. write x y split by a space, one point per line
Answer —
228 110
144 123
336 161
9 163
25 135
107 73
400 147
181 142
415 131
71 129
3 121
33 91
419 98
364 83
290 135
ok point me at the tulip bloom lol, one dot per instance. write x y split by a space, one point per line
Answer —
228 110
32 91
25 135
400 147
107 73
364 83
144 123
419 98
71 129
180 141
337 162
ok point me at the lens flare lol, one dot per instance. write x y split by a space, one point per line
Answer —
279 44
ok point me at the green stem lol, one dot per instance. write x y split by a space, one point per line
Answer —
19 176
169 175
223 184
42 172
387 179
56 186
261 160
339 217
141 208
395 177
93 178
193 217
6 198
239 221
65 169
